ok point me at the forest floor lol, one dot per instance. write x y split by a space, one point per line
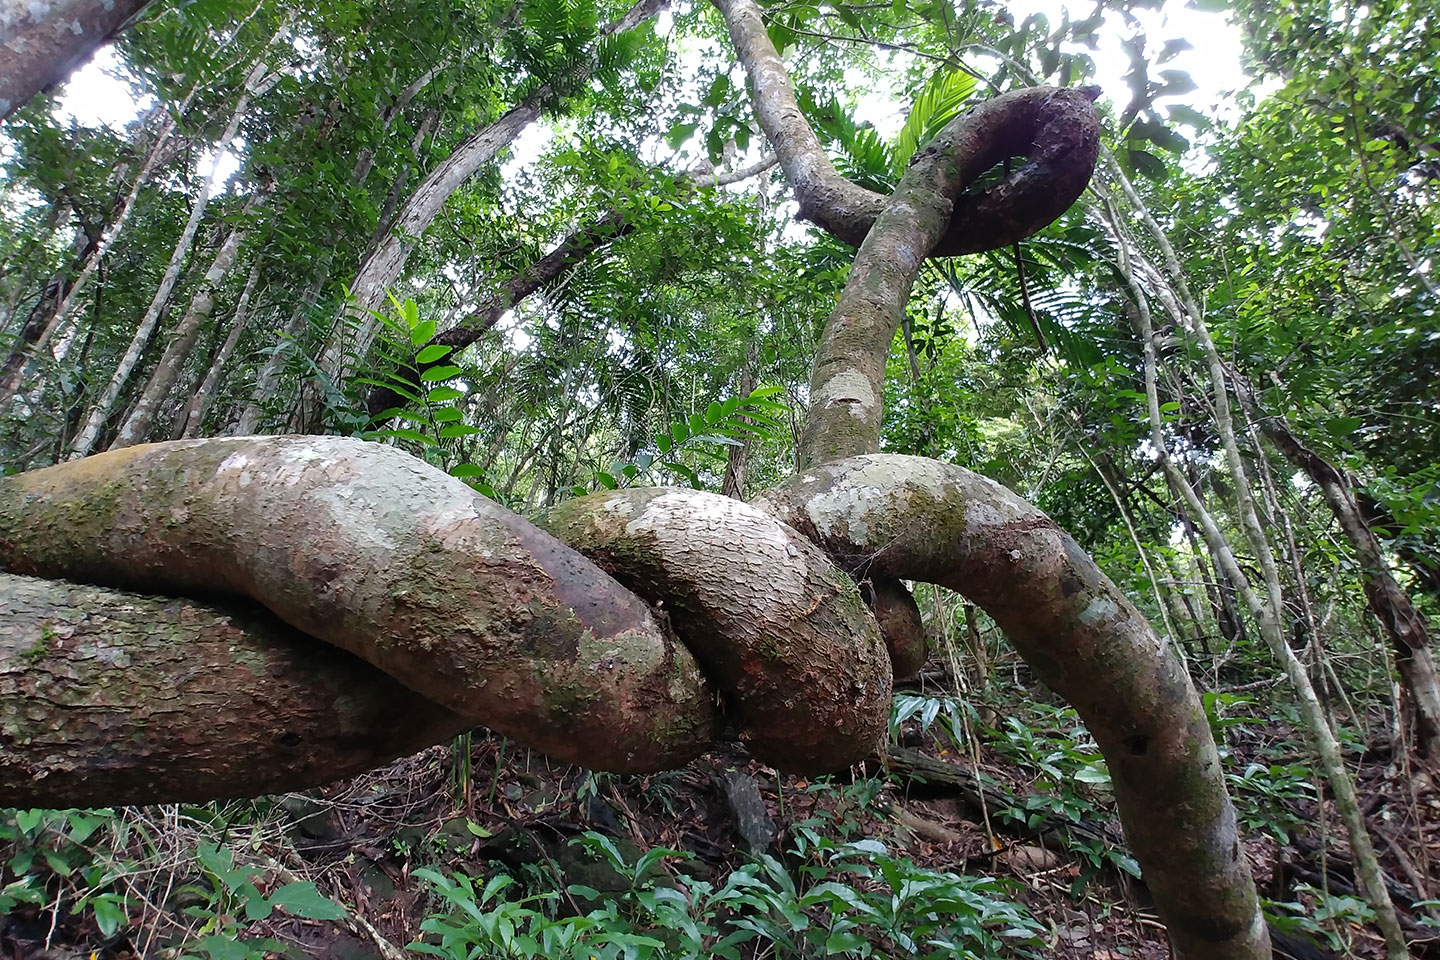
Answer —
361 842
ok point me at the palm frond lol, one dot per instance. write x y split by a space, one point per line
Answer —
941 101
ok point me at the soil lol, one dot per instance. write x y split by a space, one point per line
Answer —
359 841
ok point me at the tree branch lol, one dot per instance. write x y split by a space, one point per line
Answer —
1057 130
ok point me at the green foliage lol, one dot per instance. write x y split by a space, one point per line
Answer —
843 900
1317 915
434 416
88 864
943 99
722 425
225 892
1071 782
939 717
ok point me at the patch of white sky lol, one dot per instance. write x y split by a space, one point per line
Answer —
104 93
1214 60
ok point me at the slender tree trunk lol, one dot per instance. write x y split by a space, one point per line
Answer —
1267 609
385 261
385 223
190 424
44 310
1405 625
13 373
104 406
182 339
268 379
733 484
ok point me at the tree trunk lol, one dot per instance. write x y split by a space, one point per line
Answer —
383 264
268 379
1405 625
182 339
1264 608
104 406
13 373
192 423
733 483
1130 689
103 694
43 42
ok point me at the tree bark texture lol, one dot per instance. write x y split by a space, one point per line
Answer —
363 547
913 518
379 554
889 518
104 695
677 549
43 42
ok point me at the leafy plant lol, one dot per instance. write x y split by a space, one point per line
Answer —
227 892
722 425
845 900
943 714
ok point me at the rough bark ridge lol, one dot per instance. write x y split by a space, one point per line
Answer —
125 677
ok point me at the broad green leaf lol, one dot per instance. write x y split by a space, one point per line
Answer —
302 899
464 470
458 430
433 352
410 313
223 948
679 133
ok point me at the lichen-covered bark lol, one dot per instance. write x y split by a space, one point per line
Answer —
921 519
373 551
772 621
41 42
110 697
